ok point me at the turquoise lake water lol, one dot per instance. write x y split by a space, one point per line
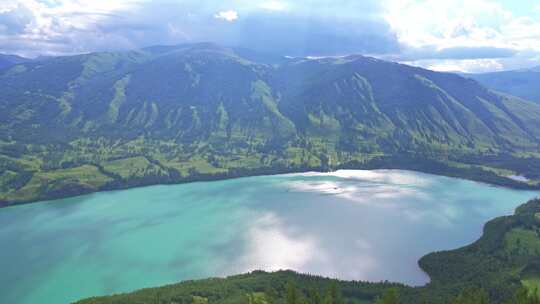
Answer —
363 225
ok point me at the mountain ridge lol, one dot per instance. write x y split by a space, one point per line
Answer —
163 114
522 83
7 60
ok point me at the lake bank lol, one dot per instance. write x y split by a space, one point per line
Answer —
473 173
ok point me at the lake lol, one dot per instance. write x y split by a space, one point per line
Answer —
350 224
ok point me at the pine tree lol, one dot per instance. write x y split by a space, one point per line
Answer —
270 295
315 297
333 295
391 296
472 296
292 294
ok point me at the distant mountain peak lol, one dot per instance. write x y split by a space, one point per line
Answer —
7 60
523 83
206 46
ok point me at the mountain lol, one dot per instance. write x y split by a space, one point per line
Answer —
523 83
10 60
76 124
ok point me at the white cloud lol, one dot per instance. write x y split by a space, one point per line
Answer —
406 30
7 6
62 26
465 65
229 15
274 5
461 24
447 24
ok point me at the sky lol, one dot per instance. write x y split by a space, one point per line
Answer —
456 35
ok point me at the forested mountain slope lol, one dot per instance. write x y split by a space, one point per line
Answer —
76 124
11 60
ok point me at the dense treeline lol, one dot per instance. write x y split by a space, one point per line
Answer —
297 291
257 287
153 171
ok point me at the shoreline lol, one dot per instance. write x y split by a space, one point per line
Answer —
163 193
489 178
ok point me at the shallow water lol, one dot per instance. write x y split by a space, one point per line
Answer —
363 225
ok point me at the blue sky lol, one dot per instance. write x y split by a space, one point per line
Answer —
464 35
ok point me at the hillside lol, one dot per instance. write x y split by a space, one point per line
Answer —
7 61
77 124
500 267
522 83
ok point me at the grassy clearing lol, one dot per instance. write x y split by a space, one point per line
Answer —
520 241
87 177
200 165
532 284
133 167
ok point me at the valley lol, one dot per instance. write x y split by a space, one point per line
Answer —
269 152
197 112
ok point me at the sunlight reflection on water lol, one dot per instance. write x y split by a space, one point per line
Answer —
351 224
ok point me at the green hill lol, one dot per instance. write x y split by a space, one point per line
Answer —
7 61
77 124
